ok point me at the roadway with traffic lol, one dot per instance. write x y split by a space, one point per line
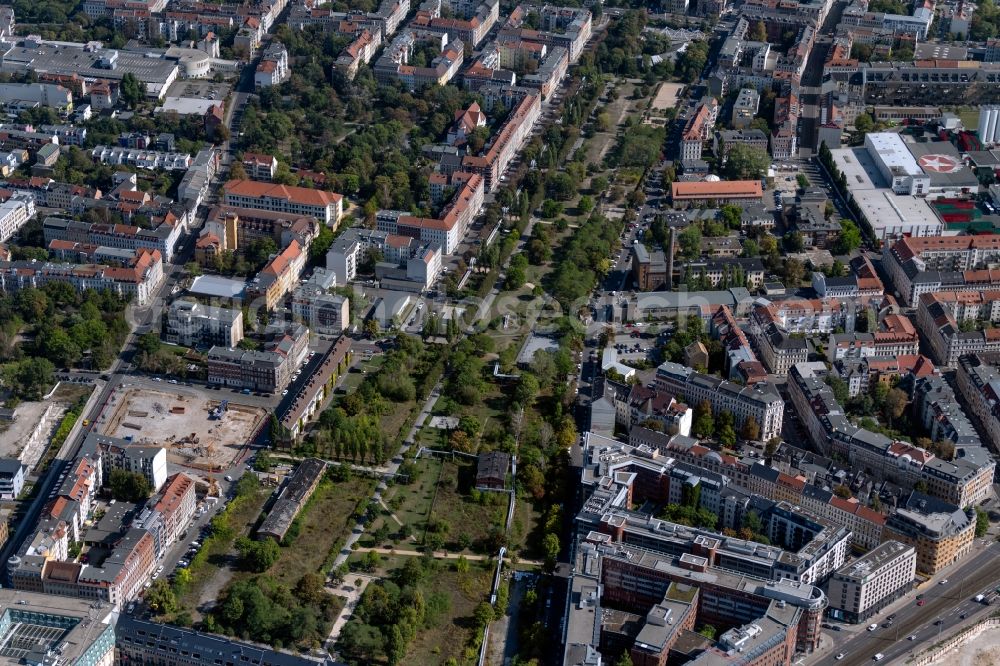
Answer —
951 603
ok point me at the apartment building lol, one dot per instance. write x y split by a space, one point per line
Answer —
278 277
259 167
724 140
162 239
978 380
778 619
779 350
140 158
139 281
862 374
11 478
861 589
863 281
959 323
784 137
150 462
468 23
897 337
308 402
503 147
698 129
566 27
192 324
324 206
176 505
761 401
316 307
394 65
449 228
941 533
268 370
745 109
920 265
360 51
15 210
272 70
236 228
962 481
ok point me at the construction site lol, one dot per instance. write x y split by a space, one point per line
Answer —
197 431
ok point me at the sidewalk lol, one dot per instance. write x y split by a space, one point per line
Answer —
353 594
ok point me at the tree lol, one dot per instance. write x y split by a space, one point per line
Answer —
258 556
895 404
161 598
624 660
750 429
842 491
704 424
148 343
551 547
551 209
183 578
849 239
395 645
747 162
483 614
131 90
982 522
560 186
864 123
527 390
732 215
759 32
129 486
794 272
708 631
371 328
690 242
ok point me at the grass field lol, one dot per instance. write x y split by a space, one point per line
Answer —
440 493
411 503
322 528
466 519
210 570
449 638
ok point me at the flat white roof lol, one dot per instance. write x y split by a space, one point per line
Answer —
859 169
187 106
891 215
892 150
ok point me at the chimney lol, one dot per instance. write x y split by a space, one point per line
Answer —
670 258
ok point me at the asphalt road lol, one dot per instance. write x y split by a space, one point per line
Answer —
979 573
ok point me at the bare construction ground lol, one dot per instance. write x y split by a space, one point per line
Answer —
29 434
666 96
179 420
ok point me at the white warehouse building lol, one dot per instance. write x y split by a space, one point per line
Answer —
896 163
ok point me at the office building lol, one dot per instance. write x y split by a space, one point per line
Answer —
324 206
859 590
144 642
268 370
720 192
192 324
46 629
12 474
941 533
15 210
